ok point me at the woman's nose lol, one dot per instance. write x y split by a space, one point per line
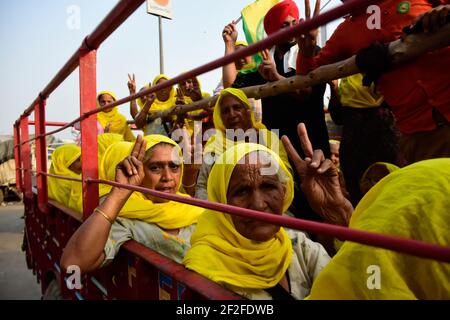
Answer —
258 201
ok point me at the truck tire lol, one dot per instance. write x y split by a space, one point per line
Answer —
1 196
53 291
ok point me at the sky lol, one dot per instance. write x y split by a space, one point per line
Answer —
39 36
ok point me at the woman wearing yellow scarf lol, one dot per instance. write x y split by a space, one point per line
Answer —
233 115
111 120
66 161
165 226
76 195
255 259
412 202
161 100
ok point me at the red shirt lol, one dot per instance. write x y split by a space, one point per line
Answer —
413 89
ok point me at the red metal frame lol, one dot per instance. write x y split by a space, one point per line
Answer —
25 151
50 123
17 156
50 225
41 155
89 146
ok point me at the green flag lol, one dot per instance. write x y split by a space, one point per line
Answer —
253 22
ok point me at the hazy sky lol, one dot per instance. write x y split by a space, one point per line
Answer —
37 39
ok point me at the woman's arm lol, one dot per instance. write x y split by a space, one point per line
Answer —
229 71
141 117
85 247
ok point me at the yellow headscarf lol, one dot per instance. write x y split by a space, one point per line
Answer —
168 215
414 203
76 195
158 105
239 94
222 254
62 158
218 143
353 94
118 121
105 140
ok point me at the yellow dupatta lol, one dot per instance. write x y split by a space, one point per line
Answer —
158 105
223 255
412 202
218 143
62 158
118 121
168 215
104 141
353 94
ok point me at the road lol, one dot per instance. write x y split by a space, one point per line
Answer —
16 281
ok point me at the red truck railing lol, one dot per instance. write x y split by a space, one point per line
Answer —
52 233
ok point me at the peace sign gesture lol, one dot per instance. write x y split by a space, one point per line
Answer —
320 180
180 97
307 41
132 83
267 68
196 93
131 170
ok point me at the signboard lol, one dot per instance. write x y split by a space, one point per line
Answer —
161 8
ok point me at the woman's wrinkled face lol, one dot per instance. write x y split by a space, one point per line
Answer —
234 113
76 166
105 99
248 188
162 171
164 94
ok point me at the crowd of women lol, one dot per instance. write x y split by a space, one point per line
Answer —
376 178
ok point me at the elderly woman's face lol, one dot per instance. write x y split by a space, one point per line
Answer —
234 113
163 94
248 188
162 171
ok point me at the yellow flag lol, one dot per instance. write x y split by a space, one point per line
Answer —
253 21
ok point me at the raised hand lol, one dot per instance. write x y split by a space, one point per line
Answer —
319 180
131 170
180 97
196 93
307 42
267 68
229 33
132 83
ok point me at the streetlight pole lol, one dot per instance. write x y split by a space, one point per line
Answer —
161 50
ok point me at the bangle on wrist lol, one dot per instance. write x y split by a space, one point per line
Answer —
190 186
111 221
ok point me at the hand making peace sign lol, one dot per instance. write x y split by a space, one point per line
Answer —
131 169
319 178
132 83
307 41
